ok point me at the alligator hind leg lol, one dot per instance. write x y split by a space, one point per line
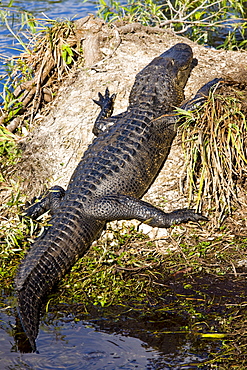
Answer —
49 202
106 103
122 207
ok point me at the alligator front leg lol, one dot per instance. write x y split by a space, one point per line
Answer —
49 202
122 207
106 103
202 94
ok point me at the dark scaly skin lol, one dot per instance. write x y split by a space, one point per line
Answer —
113 174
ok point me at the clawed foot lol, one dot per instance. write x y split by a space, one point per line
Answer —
48 201
32 208
106 102
185 215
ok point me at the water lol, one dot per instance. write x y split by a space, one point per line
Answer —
53 9
78 346
71 343
125 337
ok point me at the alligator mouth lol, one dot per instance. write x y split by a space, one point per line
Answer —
184 72
190 66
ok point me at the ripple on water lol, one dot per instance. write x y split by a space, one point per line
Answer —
77 346
80 345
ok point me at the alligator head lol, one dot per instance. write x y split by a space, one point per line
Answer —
160 85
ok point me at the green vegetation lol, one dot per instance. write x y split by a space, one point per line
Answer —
126 263
214 140
16 232
29 82
196 287
9 151
199 20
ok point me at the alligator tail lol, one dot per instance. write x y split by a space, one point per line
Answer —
50 257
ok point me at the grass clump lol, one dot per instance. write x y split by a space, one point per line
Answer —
34 78
214 141
9 151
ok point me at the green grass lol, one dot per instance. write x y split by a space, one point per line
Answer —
9 152
214 143
196 19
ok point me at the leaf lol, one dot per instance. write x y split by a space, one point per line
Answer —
213 335
10 3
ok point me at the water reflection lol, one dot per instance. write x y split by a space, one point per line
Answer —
135 336
72 342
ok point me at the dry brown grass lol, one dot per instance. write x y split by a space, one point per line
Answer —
214 141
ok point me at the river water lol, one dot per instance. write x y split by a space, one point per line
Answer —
53 9
93 341
86 342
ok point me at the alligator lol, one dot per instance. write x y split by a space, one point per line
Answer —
115 171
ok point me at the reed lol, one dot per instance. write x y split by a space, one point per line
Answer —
214 141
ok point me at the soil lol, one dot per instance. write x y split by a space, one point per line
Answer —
63 130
